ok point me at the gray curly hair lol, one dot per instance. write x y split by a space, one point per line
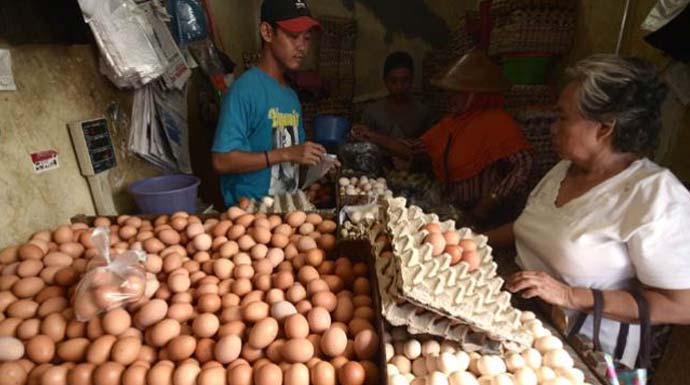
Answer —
627 91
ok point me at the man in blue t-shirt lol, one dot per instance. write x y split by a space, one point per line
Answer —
260 141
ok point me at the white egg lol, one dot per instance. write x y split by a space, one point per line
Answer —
544 374
390 352
431 347
527 316
356 217
463 360
545 344
462 378
485 380
388 194
268 201
354 180
381 180
419 367
514 362
491 365
525 376
409 376
447 363
574 375
558 358
397 379
412 349
502 379
344 181
431 362
437 378
532 358
392 370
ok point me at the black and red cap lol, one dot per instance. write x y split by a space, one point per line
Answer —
290 15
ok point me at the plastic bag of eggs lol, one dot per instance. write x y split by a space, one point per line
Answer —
364 185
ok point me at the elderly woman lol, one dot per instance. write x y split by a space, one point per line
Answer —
477 150
605 217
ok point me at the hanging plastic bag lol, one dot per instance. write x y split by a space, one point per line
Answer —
111 281
319 170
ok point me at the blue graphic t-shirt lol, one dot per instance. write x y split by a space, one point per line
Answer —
259 114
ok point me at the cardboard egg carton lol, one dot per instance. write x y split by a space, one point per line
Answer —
418 320
430 282
282 203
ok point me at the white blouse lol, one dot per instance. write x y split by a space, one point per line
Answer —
633 226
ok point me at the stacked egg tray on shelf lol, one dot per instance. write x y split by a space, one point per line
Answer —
455 300
281 203
237 299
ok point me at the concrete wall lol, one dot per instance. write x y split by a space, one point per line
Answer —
597 32
56 85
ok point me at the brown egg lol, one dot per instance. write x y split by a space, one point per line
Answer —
183 312
181 347
30 251
472 258
263 333
133 375
319 319
22 308
202 242
297 350
186 374
126 350
437 242
305 244
325 299
164 331
357 325
223 268
262 235
28 287
229 249
455 253
263 266
208 303
240 375
259 251
169 237
279 240
296 374
29 268
352 373
296 218
151 313
326 242
255 311
52 306
40 349
241 286
337 283
333 342
228 349
361 300
28 328
179 282
283 280
323 373
116 321
366 344
55 375
296 326
206 325
246 242
268 374
212 376
161 373
99 350
73 349
204 350
81 374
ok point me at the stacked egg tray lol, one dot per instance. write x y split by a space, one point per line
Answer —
452 296
282 203
220 296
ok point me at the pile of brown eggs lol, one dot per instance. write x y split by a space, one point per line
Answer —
243 299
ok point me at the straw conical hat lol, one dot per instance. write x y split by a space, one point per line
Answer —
474 72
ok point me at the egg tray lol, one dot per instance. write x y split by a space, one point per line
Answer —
431 282
283 203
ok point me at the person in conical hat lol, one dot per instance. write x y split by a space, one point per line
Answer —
477 150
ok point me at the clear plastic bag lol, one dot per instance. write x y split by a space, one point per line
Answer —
111 281
363 157
318 171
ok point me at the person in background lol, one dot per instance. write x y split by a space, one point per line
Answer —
398 115
260 141
477 151
606 217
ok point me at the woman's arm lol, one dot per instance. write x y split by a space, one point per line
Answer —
502 236
665 306
405 149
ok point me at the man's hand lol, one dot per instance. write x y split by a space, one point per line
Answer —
307 154
415 146
362 132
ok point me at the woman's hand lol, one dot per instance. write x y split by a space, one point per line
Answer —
541 285
415 146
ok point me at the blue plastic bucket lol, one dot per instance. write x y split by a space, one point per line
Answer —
330 130
166 194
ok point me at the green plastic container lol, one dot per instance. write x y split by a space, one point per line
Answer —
527 68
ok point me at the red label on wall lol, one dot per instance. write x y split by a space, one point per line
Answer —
44 160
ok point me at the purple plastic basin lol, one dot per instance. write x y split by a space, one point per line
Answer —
166 194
